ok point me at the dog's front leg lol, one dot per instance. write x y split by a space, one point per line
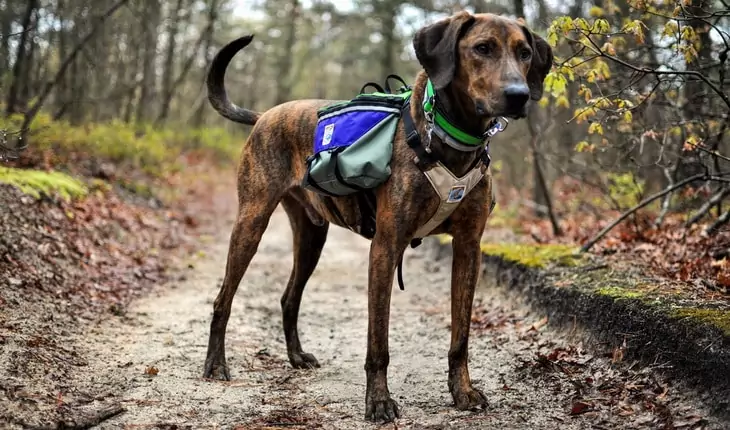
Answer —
464 276
385 251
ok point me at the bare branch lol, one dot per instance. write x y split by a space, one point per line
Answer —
719 222
588 245
705 208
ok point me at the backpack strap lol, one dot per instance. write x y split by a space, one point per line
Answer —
402 89
377 87
423 158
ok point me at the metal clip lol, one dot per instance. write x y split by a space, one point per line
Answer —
500 125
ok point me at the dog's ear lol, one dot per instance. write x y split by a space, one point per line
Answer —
437 47
542 62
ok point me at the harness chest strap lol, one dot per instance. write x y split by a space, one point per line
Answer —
451 191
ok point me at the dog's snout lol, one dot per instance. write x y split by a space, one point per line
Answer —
516 95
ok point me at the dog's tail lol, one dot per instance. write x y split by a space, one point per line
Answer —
217 95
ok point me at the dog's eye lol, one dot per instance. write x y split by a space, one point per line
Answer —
483 48
525 54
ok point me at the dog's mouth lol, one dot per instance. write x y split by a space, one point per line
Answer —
522 113
483 112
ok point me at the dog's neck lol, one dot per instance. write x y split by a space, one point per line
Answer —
460 111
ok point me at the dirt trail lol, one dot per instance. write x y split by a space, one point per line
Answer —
169 332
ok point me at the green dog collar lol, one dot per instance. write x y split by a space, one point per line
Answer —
429 107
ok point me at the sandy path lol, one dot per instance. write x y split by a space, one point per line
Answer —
169 331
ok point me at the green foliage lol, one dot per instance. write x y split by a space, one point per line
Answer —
37 183
153 151
590 52
625 189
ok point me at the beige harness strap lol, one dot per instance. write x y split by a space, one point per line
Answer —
451 191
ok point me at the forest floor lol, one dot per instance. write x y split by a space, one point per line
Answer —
104 320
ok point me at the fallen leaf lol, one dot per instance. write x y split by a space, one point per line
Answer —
539 324
645 247
581 407
723 278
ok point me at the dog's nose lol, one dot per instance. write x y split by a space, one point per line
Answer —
516 95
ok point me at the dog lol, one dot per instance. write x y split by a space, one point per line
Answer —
482 66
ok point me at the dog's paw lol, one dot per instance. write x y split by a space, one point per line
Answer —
469 399
303 360
382 410
216 370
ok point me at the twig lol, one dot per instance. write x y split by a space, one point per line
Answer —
719 222
643 203
705 209
598 51
94 418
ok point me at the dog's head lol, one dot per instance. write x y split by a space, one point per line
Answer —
495 62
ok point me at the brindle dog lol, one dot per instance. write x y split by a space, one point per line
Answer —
482 66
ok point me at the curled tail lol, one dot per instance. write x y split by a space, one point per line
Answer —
216 88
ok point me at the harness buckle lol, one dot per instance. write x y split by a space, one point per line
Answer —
499 125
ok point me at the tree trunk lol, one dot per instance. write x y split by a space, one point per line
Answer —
695 91
20 59
152 20
6 21
198 117
387 30
61 99
169 71
520 8
283 81
24 92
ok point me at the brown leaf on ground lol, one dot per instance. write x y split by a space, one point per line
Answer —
581 407
539 324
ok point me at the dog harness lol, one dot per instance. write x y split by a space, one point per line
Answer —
450 188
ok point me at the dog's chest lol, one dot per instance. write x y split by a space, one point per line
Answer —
450 190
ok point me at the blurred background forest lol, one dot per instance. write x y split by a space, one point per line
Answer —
635 111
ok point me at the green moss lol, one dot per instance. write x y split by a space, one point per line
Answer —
716 317
619 293
36 183
532 255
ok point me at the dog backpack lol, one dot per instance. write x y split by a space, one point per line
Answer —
353 142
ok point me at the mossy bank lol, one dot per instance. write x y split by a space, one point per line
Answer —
624 308
38 183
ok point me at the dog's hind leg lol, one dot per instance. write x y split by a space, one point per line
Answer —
245 238
259 195
309 239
